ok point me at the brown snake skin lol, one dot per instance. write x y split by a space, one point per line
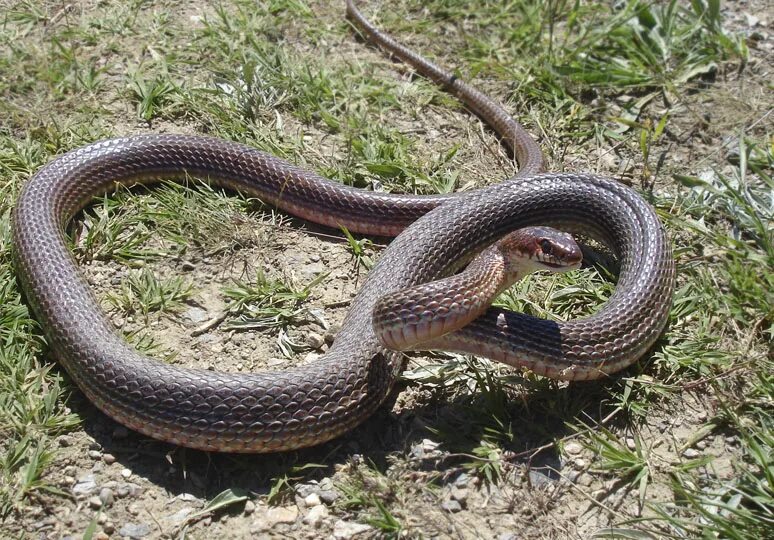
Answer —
272 411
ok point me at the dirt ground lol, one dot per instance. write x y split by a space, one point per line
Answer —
113 483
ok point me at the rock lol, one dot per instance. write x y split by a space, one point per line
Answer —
64 441
95 503
573 448
123 490
424 449
691 453
462 480
196 315
126 473
316 515
134 530
631 444
580 463
106 496
249 508
451 506
344 530
507 536
315 340
281 514
109 459
180 516
101 535
85 485
459 494
304 490
328 496
109 527
311 500
95 454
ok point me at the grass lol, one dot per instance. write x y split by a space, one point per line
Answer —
591 80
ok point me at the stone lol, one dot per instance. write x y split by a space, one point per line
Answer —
462 480
180 516
126 473
316 516
459 494
691 453
451 506
109 459
85 485
281 514
311 500
196 314
249 508
573 448
95 503
106 496
134 531
328 496
315 340
344 530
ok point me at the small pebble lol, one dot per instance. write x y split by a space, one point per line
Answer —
328 496
691 453
573 448
316 515
459 494
95 503
315 340
95 454
106 496
249 508
281 514
451 506
126 473
344 530
631 444
135 531
109 459
85 485
311 500
109 527
101 535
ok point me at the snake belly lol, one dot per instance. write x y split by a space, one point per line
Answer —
310 404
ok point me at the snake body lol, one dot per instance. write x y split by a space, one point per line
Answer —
310 404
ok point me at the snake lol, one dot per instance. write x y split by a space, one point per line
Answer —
312 403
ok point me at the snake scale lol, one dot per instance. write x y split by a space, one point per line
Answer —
310 404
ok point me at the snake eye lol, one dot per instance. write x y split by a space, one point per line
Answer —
546 246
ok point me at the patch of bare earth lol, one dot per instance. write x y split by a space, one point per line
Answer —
130 486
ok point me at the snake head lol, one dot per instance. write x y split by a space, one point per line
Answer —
540 248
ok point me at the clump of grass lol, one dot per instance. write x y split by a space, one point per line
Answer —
143 292
369 490
266 302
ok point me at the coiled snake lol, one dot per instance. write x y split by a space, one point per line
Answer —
264 412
